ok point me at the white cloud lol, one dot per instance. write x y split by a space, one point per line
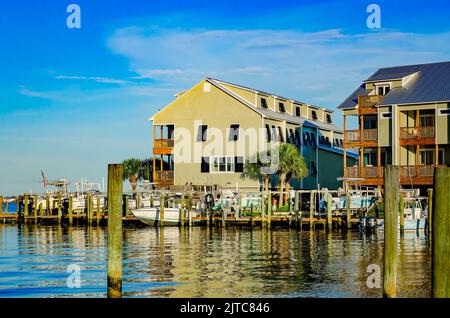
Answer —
317 67
104 80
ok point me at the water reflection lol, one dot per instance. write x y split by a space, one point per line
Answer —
202 262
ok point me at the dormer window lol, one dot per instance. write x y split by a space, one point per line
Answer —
383 89
314 114
297 111
264 103
329 120
281 108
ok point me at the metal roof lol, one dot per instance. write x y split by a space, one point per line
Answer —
430 84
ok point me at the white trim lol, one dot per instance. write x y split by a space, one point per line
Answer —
211 165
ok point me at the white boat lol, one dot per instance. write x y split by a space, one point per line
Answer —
152 216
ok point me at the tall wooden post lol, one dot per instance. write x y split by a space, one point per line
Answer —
25 207
127 205
161 210
269 209
391 198
182 210
349 210
330 212
59 208
47 203
35 208
263 208
138 200
402 214
1 204
297 208
89 208
152 201
99 211
441 232
190 210
430 213
311 210
70 210
251 215
115 190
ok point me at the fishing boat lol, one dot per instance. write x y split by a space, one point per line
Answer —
152 216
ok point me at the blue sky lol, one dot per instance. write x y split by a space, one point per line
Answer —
74 100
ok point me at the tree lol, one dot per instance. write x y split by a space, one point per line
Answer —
131 169
290 165
258 169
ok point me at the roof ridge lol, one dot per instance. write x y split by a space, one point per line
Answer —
411 65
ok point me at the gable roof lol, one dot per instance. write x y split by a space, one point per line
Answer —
431 84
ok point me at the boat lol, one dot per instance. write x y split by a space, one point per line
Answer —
151 216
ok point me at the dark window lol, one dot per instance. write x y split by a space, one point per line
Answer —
297 136
327 141
321 140
275 136
305 138
312 139
329 120
281 108
234 133
268 133
263 103
222 164
297 111
312 167
280 135
238 164
386 115
204 167
314 114
341 143
292 136
202 133
288 137
445 111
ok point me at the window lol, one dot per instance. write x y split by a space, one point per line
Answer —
263 103
312 139
297 111
268 133
225 164
386 115
445 112
202 133
297 137
204 166
327 141
288 137
281 108
426 120
341 142
292 136
238 164
321 140
383 89
275 136
312 167
370 122
305 138
234 133
280 135
336 142
314 114
329 120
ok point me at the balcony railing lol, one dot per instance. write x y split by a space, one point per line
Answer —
367 135
369 101
164 175
364 172
163 143
417 132
417 171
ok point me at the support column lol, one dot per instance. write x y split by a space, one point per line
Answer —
379 161
345 150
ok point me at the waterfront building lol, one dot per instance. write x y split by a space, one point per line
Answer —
403 119
208 132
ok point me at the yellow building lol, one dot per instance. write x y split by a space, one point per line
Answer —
403 119
208 132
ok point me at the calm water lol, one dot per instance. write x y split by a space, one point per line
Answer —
205 263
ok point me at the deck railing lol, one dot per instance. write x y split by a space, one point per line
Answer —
164 175
163 143
364 172
417 132
417 171
367 135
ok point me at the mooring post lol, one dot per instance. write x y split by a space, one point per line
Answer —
152 202
47 204
1 204
402 214
70 210
138 200
391 198
348 202
25 207
297 208
59 208
99 211
430 213
311 210
89 208
263 208
251 215
330 212
190 210
127 205
182 210
269 209
440 249
161 210
35 208
224 218
18 202
115 190
41 209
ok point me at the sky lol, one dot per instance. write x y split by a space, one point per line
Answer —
74 100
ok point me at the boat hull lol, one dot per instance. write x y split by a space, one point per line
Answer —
151 216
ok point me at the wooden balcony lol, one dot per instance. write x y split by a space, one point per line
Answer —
417 135
363 172
163 146
364 138
164 177
366 104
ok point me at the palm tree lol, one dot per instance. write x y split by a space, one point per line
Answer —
131 168
290 165
258 169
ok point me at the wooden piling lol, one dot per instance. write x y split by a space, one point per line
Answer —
41 210
440 249
402 214
391 198
152 201
297 209
182 210
25 206
190 210
330 212
115 190
99 211
161 210
1 204
47 204
430 213
127 205
138 200
269 210
311 210
251 215
59 208
89 208
263 209
70 210
349 210
35 208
